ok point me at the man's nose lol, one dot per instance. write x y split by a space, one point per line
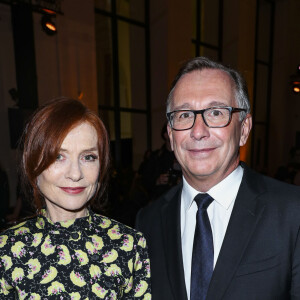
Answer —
199 130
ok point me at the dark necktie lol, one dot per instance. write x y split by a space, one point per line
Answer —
203 250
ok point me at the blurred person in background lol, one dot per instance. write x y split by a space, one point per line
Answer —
160 170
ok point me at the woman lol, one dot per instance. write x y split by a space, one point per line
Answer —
67 251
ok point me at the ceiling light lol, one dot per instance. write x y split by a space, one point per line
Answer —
48 25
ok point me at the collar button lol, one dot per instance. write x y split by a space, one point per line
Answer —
95 257
75 235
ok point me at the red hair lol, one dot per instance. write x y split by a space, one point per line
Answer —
44 135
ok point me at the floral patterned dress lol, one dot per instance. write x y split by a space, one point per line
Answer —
87 258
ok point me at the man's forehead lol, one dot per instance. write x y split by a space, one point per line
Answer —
213 75
211 86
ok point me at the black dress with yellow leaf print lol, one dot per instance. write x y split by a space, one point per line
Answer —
87 258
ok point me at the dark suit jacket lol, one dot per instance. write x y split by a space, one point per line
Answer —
260 255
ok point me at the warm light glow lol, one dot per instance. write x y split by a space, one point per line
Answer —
49 11
296 86
245 153
296 89
80 95
51 26
48 24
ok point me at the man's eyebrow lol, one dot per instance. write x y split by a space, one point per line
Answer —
218 103
210 104
182 106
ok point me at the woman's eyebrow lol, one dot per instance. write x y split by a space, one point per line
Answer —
84 150
90 149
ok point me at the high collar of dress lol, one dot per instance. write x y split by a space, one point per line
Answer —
75 224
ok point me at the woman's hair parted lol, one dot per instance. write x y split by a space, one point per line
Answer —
42 139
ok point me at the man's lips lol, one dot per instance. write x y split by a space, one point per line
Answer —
203 150
73 190
201 153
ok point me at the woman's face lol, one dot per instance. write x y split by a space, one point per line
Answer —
71 180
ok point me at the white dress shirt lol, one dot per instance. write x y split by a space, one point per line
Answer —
219 212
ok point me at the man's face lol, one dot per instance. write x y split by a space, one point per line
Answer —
207 155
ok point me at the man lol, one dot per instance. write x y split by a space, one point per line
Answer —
252 238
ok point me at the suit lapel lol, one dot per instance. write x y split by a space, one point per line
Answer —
246 213
170 214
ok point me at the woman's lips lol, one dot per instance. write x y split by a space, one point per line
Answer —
73 190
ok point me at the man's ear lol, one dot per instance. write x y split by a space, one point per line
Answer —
245 129
170 133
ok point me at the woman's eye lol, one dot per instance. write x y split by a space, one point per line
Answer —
59 157
90 157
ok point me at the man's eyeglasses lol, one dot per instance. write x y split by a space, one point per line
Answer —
213 117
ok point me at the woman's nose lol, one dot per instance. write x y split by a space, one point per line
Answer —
74 171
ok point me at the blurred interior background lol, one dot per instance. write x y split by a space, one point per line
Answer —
120 57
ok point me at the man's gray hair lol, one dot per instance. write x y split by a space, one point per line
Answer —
202 63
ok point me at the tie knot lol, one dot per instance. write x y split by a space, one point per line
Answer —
203 200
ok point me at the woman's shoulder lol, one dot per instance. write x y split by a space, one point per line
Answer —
115 227
18 233
22 225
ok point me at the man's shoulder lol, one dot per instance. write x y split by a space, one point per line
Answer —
166 198
151 213
281 190
265 185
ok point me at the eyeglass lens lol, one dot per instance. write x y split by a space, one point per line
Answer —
214 117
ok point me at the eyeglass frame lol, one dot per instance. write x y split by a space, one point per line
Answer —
201 112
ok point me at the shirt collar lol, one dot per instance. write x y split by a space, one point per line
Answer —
224 192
